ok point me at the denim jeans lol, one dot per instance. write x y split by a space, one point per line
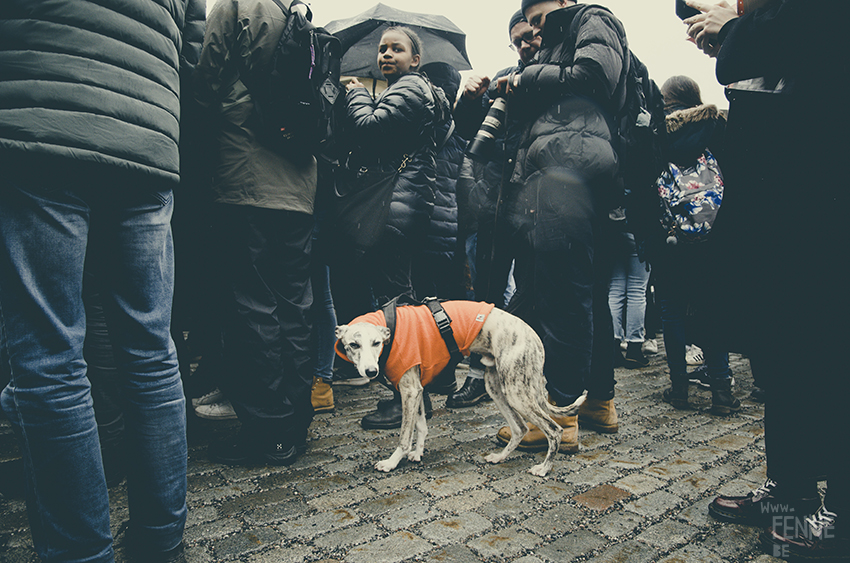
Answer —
47 233
627 293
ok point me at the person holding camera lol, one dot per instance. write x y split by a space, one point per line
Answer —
567 168
481 185
782 231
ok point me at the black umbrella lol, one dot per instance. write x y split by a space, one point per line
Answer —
442 41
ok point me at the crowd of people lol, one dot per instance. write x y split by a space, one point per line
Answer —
101 117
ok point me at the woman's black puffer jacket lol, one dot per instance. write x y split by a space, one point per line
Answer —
400 122
442 236
97 82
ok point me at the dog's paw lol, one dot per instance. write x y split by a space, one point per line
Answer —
494 458
540 469
414 456
385 465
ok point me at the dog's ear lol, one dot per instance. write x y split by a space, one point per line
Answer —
340 331
385 333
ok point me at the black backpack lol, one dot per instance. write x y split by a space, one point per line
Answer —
294 98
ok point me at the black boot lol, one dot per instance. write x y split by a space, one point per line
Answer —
677 394
722 400
634 356
619 360
472 393
388 414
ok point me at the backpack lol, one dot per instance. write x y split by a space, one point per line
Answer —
690 197
294 97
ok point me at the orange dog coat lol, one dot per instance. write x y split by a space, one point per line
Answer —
417 340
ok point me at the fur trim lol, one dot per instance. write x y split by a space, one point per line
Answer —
680 118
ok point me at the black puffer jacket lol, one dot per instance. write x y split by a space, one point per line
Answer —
401 121
442 235
691 130
578 84
97 82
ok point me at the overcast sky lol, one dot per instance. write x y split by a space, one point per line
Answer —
655 34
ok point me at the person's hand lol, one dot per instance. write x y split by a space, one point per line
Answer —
506 84
703 29
476 86
352 84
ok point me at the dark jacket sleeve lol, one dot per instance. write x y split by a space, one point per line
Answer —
594 71
397 118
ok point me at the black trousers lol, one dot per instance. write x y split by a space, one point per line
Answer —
269 365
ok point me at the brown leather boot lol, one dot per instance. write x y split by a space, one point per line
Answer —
535 439
322 396
599 415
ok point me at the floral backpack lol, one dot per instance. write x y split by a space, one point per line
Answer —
690 198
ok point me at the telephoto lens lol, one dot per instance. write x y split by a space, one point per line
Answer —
482 145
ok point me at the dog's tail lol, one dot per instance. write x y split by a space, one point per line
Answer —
569 410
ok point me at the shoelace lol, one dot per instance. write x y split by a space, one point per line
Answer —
821 520
765 490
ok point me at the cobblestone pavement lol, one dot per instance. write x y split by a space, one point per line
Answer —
638 495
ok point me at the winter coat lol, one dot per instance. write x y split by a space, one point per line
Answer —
96 82
400 125
442 234
579 84
691 130
240 39
782 227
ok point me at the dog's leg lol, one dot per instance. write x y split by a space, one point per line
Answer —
421 432
410 389
515 422
553 434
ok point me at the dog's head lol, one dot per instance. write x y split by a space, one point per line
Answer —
362 344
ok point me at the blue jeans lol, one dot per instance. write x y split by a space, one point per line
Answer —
47 233
627 292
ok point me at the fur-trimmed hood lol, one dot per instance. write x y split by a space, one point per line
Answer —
692 130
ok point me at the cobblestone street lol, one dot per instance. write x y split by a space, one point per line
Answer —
638 495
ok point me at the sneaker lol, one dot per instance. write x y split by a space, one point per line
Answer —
815 539
349 376
214 396
700 377
650 346
693 355
759 506
216 411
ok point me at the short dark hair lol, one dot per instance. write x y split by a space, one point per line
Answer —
681 92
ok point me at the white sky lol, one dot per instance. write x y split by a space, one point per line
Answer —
655 34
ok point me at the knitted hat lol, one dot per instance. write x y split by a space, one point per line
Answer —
515 19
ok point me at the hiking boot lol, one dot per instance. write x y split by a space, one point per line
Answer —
535 440
388 413
322 396
634 356
722 400
472 393
677 394
598 415
760 506
817 539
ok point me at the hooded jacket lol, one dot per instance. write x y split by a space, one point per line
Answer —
579 84
97 82
404 120
240 39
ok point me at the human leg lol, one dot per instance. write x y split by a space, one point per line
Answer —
43 237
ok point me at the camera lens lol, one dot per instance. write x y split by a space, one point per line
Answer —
481 146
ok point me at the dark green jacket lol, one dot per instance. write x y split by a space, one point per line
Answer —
97 82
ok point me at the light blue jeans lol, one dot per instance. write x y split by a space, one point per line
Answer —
47 233
627 292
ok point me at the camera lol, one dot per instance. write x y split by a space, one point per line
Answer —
684 11
482 145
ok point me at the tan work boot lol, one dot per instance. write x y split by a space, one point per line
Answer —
535 439
322 396
598 415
